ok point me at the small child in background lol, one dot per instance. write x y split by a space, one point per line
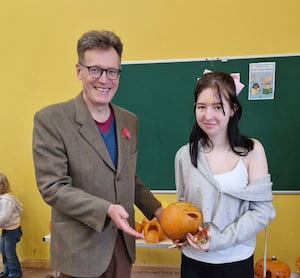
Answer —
10 210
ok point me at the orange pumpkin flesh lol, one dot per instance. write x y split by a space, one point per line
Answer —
180 218
274 268
153 232
144 222
138 227
298 265
152 236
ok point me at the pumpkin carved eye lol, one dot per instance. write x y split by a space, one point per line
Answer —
193 215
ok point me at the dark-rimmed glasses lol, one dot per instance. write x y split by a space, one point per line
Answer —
96 72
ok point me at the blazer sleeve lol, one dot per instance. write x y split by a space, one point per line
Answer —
145 200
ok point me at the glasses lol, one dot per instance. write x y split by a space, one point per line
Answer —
96 72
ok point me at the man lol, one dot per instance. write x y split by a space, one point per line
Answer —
85 153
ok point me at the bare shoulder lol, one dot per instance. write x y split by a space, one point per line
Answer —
258 148
256 161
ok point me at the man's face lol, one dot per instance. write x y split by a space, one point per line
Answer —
98 91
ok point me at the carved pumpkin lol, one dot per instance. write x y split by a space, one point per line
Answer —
153 232
274 268
144 221
138 227
180 218
298 265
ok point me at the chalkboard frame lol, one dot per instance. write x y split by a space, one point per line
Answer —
160 93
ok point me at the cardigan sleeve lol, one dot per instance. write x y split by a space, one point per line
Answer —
243 230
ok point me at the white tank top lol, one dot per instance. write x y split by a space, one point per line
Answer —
235 179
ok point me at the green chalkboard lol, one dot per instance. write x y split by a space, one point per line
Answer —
161 94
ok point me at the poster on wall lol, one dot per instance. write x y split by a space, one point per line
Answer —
261 81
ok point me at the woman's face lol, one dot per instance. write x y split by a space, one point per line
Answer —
210 116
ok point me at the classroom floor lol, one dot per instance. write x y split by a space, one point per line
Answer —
45 273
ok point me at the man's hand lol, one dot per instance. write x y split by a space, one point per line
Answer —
119 216
157 213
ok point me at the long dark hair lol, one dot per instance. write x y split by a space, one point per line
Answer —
224 84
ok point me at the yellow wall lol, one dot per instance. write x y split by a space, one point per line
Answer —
38 56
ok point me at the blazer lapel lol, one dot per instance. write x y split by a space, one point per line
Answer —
89 131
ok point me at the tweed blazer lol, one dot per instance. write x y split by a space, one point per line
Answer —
76 177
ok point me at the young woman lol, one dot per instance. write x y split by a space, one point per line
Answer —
226 175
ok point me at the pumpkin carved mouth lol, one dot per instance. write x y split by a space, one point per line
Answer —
153 232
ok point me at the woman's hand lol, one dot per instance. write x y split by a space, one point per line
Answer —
178 244
201 240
